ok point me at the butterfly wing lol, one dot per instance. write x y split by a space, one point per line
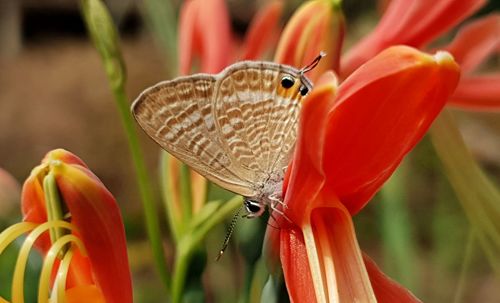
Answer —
237 128
257 117
178 115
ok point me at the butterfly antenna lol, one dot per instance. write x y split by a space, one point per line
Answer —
229 233
313 64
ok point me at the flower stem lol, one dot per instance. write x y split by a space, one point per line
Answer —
152 224
397 235
105 37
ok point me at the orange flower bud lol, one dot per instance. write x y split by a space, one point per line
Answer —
91 208
316 26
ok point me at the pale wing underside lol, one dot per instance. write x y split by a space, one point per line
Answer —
236 128
178 115
257 118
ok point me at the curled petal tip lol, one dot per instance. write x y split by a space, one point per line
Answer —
328 79
444 58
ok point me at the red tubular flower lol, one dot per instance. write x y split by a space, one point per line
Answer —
263 31
316 26
104 273
478 93
205 31
417 23
413 23
350 141
472 45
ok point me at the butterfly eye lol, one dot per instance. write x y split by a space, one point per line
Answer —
303 90
287 81
253 207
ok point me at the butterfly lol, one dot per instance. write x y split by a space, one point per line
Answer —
237 128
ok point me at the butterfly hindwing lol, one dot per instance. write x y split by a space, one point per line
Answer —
178 115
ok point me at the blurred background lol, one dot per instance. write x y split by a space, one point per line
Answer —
54 94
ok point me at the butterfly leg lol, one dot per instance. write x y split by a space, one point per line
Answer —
272 206
277 200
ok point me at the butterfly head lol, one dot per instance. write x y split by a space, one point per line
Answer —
294 83
254 208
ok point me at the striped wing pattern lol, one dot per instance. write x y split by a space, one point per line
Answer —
235 128
258 123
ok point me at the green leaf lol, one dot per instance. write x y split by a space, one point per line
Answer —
269 292
206 212
479 197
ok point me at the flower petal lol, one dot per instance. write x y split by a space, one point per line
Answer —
386 290
476 41
478 93
84 294
322 261
33 200
296 266
382 111
96 214
343 270
263 30
413 23
316 26
205 31
306 172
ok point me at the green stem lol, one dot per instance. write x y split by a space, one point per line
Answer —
105 37
247 283
259 278
186 197
152 224
399 250
168 199
469 252
191 240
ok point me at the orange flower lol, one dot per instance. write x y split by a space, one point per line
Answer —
474 43
417 23
263 31
351 139
205 33
412 23
100 271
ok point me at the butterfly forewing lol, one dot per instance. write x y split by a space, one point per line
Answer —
235 128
